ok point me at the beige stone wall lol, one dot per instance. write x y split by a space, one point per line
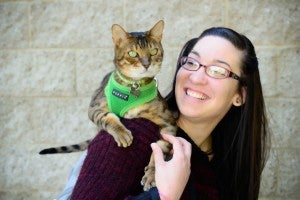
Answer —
54 53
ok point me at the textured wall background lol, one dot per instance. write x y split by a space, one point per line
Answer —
53 55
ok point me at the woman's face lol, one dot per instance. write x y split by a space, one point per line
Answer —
200 96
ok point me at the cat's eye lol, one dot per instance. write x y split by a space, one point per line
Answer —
132 54
153 52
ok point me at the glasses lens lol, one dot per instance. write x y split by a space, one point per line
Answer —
189 64
216 72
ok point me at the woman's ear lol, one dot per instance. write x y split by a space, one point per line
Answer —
240 99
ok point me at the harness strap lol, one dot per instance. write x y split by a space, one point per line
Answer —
120 99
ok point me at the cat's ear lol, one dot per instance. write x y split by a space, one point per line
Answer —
118 34
157 30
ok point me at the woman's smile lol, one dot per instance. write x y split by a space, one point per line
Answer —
196 94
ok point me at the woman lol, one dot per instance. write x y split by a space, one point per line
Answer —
221 144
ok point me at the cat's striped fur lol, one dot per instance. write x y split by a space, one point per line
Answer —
138 59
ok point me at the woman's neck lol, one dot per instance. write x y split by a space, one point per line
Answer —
199 132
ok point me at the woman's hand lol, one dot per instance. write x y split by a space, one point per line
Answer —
171 176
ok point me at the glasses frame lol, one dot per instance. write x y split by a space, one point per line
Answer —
230 74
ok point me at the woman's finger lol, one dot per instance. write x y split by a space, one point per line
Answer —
187 147
170 138
179 144
158 154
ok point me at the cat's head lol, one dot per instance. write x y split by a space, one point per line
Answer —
138 54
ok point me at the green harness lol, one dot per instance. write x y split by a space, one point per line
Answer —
121 98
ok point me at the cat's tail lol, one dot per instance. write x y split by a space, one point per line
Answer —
67 149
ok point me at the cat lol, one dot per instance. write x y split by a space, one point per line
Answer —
130 91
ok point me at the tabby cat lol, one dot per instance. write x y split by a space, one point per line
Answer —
130 91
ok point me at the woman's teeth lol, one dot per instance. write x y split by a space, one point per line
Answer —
196 95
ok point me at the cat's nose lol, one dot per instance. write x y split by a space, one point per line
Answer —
145 62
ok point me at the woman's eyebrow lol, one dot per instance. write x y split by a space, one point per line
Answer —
223 62
217 60
196 53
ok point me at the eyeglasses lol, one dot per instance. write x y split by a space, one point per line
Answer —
213 71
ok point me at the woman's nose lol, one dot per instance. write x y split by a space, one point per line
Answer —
199 76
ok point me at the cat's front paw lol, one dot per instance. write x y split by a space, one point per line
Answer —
123 138
148 180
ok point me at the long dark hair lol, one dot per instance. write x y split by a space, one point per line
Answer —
240 140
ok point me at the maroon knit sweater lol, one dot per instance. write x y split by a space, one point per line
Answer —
111 172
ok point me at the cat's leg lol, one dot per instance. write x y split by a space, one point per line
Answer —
110 122
148 180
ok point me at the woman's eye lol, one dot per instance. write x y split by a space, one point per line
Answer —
132 54
217 71
191 63
153 52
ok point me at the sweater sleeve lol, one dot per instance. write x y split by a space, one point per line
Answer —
111 172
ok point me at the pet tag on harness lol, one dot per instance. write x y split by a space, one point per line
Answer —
135 90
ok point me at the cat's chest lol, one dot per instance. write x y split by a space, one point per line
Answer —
120 99
152 108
